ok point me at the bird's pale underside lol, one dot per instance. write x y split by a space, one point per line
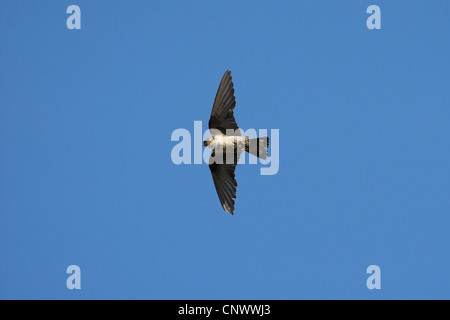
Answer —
227 143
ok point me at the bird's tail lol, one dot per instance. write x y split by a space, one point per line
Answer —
257 147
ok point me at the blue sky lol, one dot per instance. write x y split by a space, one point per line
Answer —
86 176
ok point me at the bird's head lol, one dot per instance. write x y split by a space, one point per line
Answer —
208 141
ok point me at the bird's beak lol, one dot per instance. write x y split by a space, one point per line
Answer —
204 143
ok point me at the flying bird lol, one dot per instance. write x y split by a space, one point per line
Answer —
227 143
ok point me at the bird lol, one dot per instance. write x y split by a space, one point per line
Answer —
227 144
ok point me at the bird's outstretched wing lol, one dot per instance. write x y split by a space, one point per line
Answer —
222 116
225 183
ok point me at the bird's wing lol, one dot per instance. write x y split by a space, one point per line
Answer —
225 183
222 116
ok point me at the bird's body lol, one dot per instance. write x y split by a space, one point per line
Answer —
222 142
227 143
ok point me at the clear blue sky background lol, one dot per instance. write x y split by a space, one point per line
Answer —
87 179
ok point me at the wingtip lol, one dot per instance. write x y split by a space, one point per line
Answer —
226 208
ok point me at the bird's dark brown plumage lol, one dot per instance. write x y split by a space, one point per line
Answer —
228 146
222 118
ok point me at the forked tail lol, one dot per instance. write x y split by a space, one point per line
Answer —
257 146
